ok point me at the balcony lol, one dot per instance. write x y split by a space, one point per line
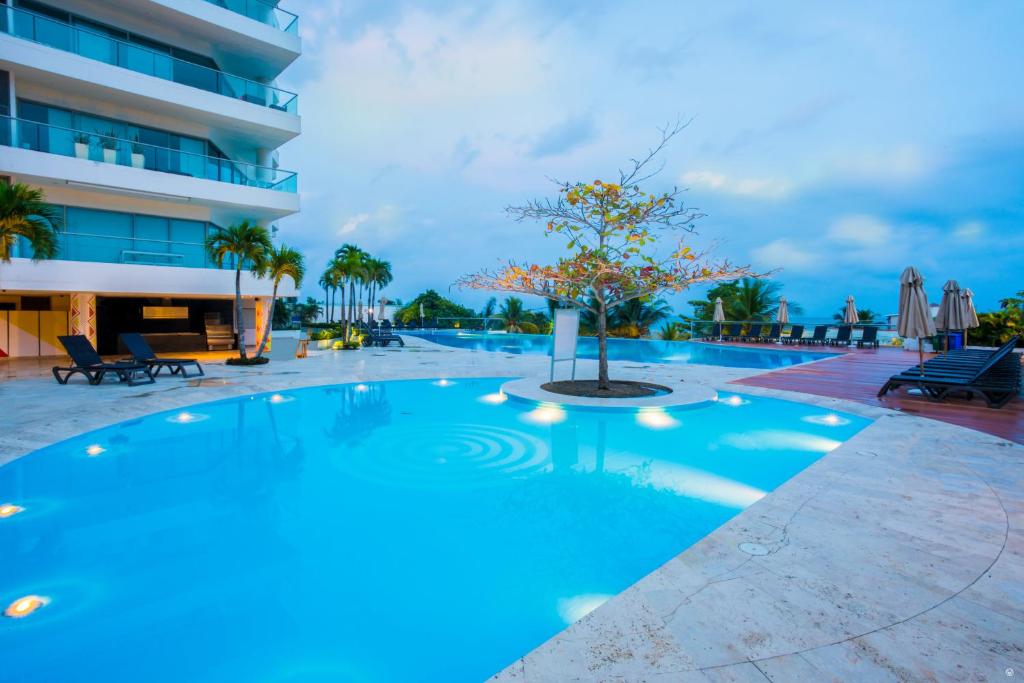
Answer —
263 12
41 137
96 46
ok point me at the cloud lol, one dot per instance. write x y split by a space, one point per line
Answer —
353 223
786 254
969 231
860 231
898 164
564 137
759 188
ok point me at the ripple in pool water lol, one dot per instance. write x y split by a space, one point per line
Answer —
395 531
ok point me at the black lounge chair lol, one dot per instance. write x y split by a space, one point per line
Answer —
86 361
796 335
733 332
818 337
842 337
868 338
997 378
142 353
754 333
715 333
381 338
774 333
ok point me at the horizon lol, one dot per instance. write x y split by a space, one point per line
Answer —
837 145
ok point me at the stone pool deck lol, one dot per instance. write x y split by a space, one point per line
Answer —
897 556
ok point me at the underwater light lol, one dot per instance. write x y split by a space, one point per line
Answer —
495 398
9 510
362 387
443 383
94 450
829 420
24 606
276 398
185 417
656 418
545 414
733 401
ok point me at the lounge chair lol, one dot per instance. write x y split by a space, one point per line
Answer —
715 333
733 332
86 361
142 353
868 338
774 333
796 335
284 348
818 337
754 333
380 338
842 337
997 378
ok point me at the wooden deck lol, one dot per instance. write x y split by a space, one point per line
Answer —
859 374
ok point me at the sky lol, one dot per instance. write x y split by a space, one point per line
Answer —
832 143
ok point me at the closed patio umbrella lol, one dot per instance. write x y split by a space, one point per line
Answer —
380 309
782 316
850 316
951 310
719 315
915 317
969 314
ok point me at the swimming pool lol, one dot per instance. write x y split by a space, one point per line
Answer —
637 350
392 531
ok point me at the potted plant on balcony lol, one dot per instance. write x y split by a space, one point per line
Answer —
138 158
109 144
81 146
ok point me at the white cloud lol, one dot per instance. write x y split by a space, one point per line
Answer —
353 223
784 253
969 231
760 188
901 163
860 231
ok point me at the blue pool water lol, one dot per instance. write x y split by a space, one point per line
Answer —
393 531
636 350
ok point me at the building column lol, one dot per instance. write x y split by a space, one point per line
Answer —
82 315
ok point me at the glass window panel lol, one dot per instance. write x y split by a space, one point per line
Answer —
151 234
97 47
188 238
94 235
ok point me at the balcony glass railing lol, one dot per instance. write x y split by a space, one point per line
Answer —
95 45
262 11
43 137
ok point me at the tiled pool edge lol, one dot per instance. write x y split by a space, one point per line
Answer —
716 613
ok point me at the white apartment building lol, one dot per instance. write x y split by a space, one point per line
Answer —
149 124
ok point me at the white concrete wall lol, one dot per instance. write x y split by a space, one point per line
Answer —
24 275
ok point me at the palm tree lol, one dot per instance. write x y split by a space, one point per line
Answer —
640 314
511 313
246 243
25 213
351 266
754 300
378 272
866 315
281 262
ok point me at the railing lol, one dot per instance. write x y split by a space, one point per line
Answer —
262 11
705 328
95 45
89 247
42 137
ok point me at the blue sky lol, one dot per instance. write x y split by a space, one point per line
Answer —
837 142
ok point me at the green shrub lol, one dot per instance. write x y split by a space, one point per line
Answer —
526 327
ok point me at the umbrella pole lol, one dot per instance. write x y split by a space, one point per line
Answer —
945 344
920 355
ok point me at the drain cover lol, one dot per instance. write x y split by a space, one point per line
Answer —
753 548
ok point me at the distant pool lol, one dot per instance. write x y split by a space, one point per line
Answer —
636 350
392 531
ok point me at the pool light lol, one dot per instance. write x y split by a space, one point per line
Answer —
279 398
443 383
185 417
24 606
496 398
733 401
828 420
362 387
9 510
656 418
94 450
546 414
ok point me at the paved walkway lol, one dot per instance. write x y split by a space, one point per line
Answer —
897 556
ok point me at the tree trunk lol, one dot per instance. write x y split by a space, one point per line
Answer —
327 303
602 345
270 322
239 320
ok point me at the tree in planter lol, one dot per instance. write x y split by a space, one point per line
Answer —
281 263
612 230
25 213
249 246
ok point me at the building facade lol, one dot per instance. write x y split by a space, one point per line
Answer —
149 124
